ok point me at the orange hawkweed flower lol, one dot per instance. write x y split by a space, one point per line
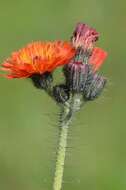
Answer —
38 58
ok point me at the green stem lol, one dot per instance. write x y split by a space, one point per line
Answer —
66 116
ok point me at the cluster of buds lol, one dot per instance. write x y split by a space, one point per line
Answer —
79 58
80 73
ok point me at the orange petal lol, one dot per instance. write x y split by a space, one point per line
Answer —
97 58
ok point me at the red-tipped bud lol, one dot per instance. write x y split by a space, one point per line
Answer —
84 36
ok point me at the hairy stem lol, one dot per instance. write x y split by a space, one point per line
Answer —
66 117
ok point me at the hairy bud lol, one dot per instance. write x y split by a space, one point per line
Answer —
94 89
84 36
61 93
76 74
42 81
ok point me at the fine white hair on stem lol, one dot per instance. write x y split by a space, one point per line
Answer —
66 115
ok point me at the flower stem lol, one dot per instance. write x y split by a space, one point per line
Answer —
65 120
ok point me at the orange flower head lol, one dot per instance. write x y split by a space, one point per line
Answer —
38 58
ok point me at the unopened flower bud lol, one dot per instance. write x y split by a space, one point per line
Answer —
94 89
76 74
84 36
61 93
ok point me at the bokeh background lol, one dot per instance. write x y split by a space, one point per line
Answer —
28 118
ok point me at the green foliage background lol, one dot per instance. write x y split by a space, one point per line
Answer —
28 118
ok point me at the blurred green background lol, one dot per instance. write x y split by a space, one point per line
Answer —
28 118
